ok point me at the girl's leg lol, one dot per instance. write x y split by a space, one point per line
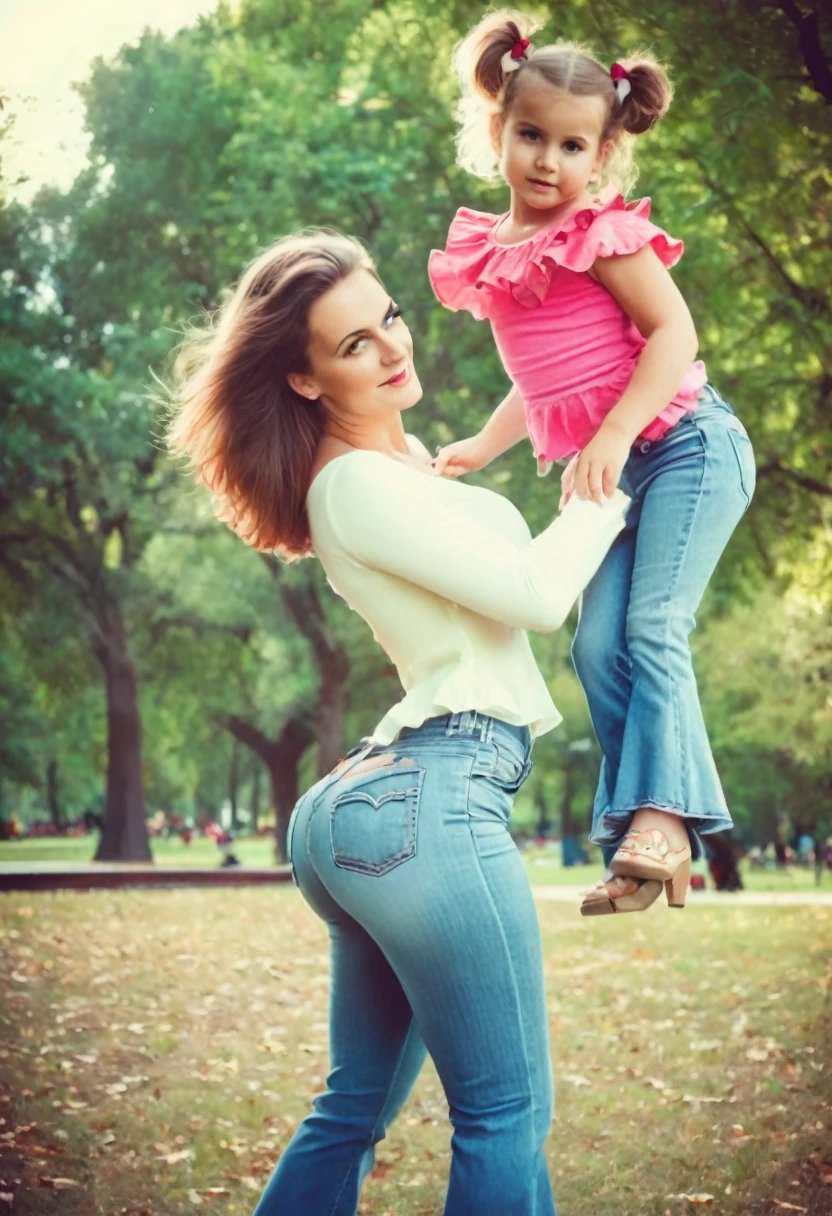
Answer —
376 1054
693 493
602 664
456 919
602 658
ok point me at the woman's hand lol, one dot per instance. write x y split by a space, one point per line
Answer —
598 467
464 456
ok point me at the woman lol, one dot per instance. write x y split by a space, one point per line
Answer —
290 410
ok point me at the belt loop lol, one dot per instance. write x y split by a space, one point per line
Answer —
488 725
453 725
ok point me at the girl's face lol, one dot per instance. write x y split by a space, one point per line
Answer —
360 353
550 144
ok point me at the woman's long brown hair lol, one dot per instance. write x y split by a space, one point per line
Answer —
245 433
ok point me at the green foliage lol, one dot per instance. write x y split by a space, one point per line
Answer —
209 145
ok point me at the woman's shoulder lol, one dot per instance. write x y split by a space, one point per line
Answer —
353 479
363 489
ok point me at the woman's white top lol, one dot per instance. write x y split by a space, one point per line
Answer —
448 577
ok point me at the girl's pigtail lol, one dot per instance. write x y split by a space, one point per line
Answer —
649 95
478 59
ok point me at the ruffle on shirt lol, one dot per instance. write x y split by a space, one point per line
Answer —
560 429
474 266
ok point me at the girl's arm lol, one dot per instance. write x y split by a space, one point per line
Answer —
651 299
505 427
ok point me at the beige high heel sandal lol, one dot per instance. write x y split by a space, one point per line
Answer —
647 854
599 902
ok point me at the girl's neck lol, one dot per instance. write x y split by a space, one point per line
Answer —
524 221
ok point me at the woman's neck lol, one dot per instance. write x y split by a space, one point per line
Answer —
387 436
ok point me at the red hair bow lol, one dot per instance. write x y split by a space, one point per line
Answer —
518 51
621 81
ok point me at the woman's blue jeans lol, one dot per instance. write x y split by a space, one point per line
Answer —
404 851
632 651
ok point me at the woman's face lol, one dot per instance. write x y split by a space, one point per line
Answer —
360 353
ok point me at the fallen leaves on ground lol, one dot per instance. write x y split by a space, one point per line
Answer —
158 1050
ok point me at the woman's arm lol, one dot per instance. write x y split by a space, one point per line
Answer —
653 302
389 517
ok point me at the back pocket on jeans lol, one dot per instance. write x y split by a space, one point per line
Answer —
372 826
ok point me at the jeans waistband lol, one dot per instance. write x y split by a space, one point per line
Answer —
708 396
469 724
708 402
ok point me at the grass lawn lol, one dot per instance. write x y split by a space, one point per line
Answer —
157 1050
252 851
544 864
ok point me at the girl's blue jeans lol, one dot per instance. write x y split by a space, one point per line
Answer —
404 852
631 650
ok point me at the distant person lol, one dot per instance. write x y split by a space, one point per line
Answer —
723 858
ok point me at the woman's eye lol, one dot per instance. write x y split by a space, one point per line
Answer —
571 146
359 343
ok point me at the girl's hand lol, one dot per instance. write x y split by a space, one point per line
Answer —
567 482
464 456
598 467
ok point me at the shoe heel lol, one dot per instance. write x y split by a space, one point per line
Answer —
676 888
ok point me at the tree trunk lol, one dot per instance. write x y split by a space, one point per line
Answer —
256 789
234 784
329 713
283 775
52 795
571 851
124 835
282 757
567 821
300 597
543 823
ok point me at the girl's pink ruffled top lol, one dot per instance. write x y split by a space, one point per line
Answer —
565 342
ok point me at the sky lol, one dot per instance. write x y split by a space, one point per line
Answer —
46 45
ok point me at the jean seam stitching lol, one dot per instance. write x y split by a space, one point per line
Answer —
505 945
371 1141
678 567
732 439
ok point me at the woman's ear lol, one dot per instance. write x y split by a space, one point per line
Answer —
303 385
496 133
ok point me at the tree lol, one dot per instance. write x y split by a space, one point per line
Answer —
207 146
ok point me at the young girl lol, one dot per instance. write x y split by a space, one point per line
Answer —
600 346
